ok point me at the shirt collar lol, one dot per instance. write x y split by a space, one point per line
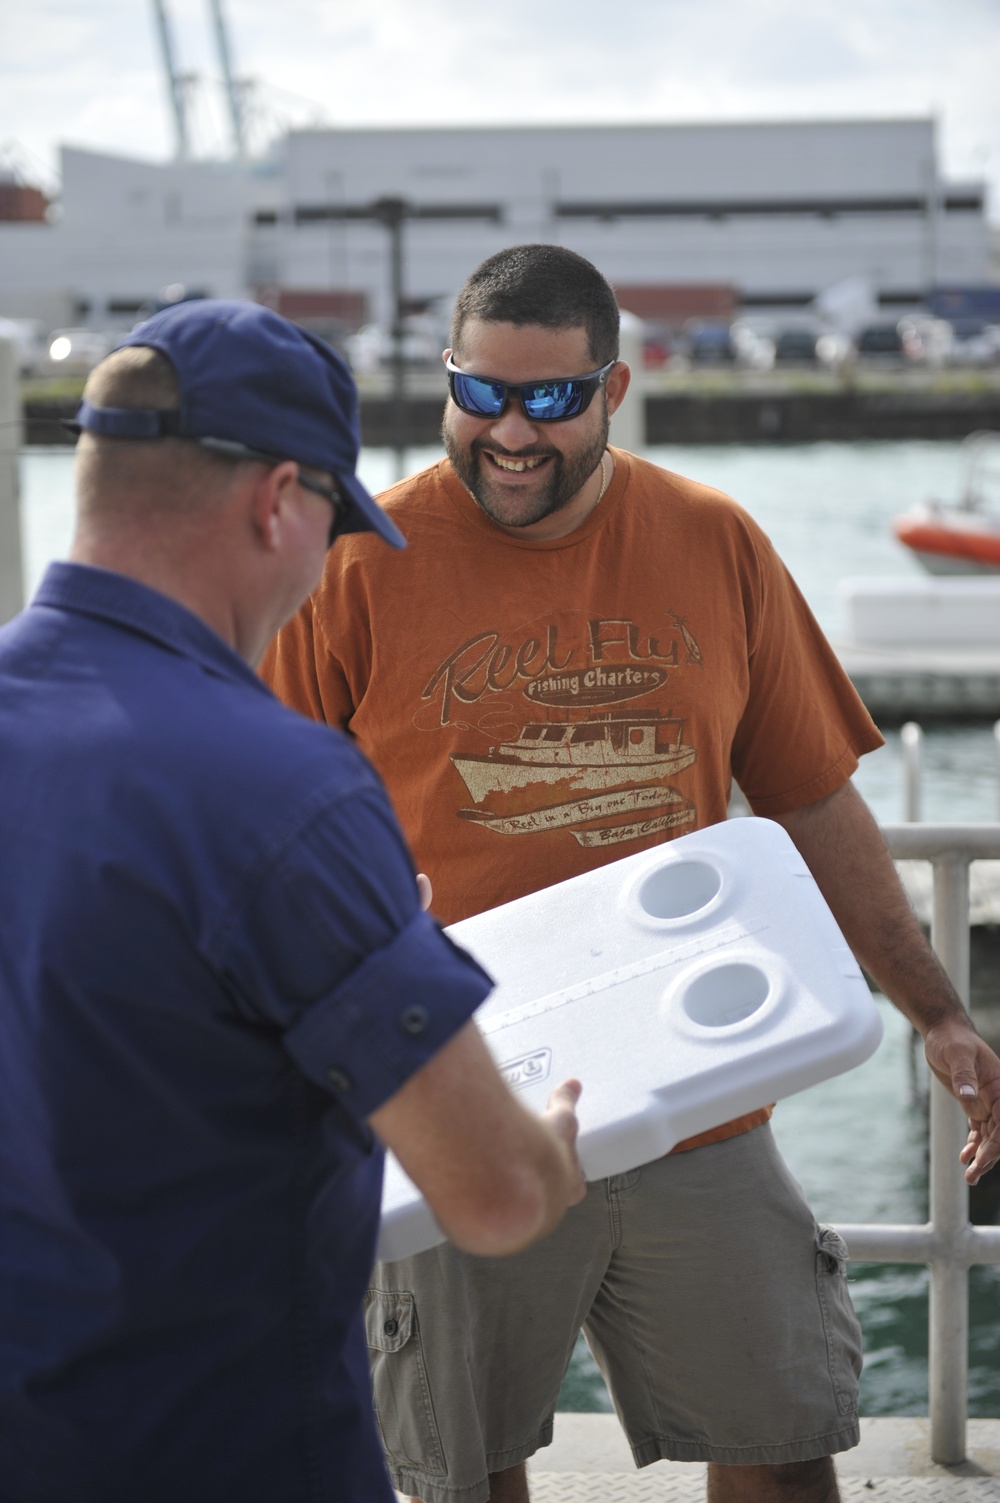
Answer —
136 607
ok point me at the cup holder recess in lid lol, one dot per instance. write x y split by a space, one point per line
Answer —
678 888
726 994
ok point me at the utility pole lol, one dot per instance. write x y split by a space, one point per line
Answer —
392 212
932 211
175 84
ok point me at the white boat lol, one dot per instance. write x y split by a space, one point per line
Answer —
924 647
962 537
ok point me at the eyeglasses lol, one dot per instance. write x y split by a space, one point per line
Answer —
331 493
540 401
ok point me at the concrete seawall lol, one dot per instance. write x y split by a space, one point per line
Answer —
808 417
717 407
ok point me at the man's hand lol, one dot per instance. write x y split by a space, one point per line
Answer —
970 1070
560 1115
496 1176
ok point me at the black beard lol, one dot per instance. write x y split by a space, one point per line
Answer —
566 477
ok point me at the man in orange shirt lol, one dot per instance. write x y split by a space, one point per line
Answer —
576 656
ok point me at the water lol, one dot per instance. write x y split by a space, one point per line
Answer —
827 508
842 495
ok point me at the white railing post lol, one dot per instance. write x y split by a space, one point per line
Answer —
11 567
628 426
947 1243
912 740
949 1195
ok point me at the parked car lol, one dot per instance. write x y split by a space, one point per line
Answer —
880 342
657 347
709 343
974 342
754 349
929 340
795 346
834 348
372 348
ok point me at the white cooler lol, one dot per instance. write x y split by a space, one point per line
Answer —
683 986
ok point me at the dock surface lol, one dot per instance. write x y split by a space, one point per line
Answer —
589 1462
924 683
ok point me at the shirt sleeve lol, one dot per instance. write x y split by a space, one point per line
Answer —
333 949
804 726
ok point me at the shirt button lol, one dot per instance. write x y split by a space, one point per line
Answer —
414 1019
391 1327
339 1079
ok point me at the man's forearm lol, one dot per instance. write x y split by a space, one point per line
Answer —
844 849
846 852
496 1176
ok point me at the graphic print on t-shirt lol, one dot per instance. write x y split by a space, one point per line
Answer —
585 757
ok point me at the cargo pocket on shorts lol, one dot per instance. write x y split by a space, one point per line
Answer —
840 1324
403 1405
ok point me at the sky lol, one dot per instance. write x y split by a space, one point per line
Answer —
89 72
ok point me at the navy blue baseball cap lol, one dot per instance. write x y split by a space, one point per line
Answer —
252 381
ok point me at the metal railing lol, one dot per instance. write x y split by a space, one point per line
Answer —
949 1244
911 738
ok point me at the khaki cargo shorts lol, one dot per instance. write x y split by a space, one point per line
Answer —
717 1311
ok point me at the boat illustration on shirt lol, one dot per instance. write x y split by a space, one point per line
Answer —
579 754
602 779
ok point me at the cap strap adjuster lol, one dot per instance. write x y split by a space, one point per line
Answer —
126 422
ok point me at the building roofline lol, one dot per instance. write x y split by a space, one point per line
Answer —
448 128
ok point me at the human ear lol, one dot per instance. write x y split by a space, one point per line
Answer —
616 386
272 495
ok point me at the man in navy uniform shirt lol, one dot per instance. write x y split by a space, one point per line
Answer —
219 992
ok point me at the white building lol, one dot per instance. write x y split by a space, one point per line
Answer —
123 229
776 212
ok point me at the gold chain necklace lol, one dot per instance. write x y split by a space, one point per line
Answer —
605 477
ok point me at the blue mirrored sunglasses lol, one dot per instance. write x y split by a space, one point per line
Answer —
540 401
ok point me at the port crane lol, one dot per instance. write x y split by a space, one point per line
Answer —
178 83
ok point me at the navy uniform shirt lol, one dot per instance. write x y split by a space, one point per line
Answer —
213 968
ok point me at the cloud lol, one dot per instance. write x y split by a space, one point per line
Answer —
92 74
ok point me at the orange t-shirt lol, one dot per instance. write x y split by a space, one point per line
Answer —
537 709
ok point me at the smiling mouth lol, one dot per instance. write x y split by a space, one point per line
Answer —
515 465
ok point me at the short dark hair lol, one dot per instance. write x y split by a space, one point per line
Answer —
542 284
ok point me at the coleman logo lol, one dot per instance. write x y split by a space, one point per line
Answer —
526 1070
